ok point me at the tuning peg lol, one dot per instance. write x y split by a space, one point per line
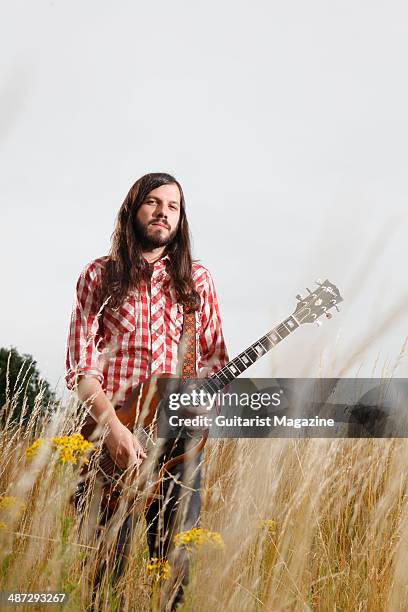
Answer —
299 297
319 281
337 308
307 289
318 323
329 315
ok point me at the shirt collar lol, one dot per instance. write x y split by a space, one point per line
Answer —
160 263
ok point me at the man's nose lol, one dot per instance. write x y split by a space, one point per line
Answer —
161 210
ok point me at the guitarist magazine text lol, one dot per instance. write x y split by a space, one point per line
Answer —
252 456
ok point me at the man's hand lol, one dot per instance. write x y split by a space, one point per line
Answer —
122 445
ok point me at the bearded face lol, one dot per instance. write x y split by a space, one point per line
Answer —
158 216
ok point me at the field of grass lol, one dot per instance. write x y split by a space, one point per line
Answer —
313 524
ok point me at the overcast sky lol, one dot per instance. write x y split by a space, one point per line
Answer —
286 124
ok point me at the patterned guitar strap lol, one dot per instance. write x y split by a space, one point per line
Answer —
188 345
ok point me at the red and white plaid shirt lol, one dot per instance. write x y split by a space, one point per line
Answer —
126 345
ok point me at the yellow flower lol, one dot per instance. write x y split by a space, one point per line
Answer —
159 569
3 526
32 450
7 502
72 448
268 524
196 537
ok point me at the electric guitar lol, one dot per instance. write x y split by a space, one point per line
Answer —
140 412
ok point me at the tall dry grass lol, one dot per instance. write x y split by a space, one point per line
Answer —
312 524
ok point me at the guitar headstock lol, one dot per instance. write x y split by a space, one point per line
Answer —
319 302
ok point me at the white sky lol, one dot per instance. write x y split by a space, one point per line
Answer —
285 122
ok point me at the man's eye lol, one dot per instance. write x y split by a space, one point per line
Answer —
173 207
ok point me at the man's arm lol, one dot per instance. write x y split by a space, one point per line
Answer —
84 373
82 356
213 353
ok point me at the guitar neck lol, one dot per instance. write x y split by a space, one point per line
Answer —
258 349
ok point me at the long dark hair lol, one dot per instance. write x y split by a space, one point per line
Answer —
126 267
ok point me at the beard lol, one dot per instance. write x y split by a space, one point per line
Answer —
152 237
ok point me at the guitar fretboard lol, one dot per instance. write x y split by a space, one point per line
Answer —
244 360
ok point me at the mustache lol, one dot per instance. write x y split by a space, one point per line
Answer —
162 221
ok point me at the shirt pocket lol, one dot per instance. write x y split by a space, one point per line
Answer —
121 320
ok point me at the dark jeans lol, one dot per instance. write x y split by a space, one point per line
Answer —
177 510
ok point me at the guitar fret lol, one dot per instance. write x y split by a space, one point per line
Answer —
220 374
283 331
227 372
235 368
266 343
252 354
274 337
245 359
291 324
212 385
239 365
206 387
259 348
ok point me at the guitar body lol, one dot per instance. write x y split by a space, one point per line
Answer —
139 414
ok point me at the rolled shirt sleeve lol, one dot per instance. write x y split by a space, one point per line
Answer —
82 355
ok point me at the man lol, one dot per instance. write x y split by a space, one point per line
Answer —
127 323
